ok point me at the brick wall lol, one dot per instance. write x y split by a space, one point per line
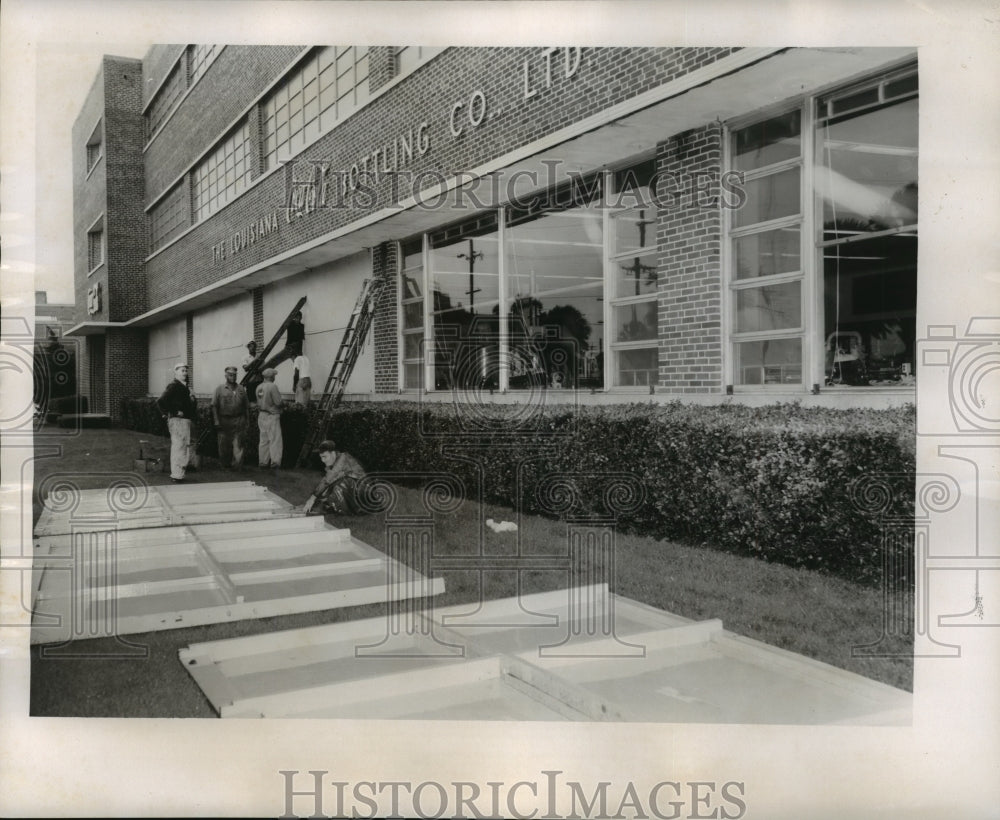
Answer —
98 383
384 326
189 347
690 273
125 221
381 66
126 357
89 201
605 77
258 317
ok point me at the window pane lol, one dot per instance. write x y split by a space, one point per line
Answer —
555 281
869 176
413 345
870 310
767 142
413 314
635 277
636 367
635 322
635 229
465 317
770 197
411 285
772 307
772 361
767 253
413 375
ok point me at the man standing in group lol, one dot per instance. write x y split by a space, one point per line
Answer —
178 407
269 420
231 415
301 382
254 379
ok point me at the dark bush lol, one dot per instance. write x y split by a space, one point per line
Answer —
779 482
143 416
68 404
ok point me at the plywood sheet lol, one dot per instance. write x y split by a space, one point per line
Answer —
70 510
539 657
103 583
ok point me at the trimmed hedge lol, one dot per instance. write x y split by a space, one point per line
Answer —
779 482
142 416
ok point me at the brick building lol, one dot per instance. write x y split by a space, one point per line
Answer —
629 222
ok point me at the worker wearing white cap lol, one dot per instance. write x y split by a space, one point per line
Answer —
269 420
178 407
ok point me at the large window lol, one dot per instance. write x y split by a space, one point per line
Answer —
867 181
199 58
555 307
327 87
223 175
518 295
166 98
412 313
634 280
192 63
169 217
464 284
838 307
766 237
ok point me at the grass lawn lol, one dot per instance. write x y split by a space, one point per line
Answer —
798 610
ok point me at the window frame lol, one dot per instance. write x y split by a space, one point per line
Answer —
609 267
812 243
94 149
209 177
327 100
96 229
731 337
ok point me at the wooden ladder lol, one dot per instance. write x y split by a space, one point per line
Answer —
343 365
258 363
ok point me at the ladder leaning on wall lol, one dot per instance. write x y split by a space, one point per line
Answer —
343 365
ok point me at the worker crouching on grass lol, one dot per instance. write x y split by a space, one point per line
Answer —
335 492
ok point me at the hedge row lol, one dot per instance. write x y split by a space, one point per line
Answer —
806 487
143 416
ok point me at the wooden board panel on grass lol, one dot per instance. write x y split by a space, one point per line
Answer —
120 583
160 506
535 658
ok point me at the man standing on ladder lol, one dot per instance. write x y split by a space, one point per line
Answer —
293 342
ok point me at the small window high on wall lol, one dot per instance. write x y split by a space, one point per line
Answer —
837 307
